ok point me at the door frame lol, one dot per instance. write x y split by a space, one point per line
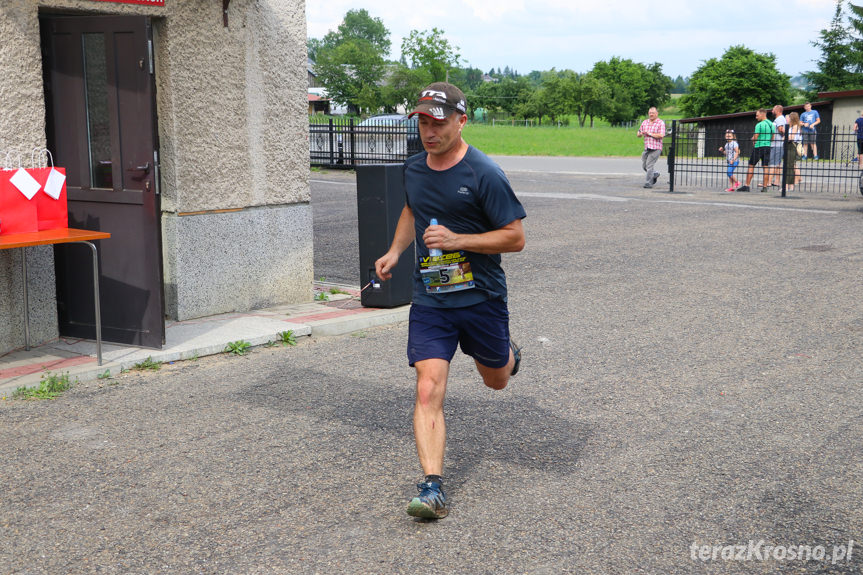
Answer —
117 195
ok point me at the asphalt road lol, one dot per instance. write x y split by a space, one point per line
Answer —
690 389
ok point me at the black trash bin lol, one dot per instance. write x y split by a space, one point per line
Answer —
380 200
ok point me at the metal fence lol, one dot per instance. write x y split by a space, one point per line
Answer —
346 143
695 159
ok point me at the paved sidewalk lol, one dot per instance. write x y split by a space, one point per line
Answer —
341 314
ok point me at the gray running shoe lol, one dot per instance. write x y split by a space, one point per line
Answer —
430 503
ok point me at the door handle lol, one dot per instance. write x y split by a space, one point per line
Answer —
145 168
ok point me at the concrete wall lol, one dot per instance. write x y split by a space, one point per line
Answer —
22 126
236 221
234 134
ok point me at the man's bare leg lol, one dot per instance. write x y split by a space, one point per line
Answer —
430 436
429 426
496 377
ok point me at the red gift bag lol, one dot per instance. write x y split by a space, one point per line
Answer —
17 212
51 210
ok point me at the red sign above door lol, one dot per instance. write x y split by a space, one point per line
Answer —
145 2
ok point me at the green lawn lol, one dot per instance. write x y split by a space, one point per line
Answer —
571 140
548 141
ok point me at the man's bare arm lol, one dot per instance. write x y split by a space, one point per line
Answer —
509 238
403 238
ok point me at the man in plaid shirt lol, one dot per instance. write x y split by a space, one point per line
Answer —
652 130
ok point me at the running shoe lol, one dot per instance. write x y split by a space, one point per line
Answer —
731 189
516 354
430 503
655 177
743 189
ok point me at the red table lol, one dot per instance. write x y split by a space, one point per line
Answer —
58 236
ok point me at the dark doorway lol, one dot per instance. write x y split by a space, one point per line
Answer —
101 125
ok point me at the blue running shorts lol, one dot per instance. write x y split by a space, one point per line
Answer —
482 331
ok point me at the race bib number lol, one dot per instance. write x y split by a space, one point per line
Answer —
446 273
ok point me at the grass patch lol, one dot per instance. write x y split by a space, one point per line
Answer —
239 347
552 141
148 364
572 140
51 386
287 337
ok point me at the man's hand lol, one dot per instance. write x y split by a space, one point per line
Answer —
442 238
384 264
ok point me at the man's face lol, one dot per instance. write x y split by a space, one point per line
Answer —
807 107
777 111
759 116
652 114
441 136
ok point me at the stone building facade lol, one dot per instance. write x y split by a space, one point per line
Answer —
233 220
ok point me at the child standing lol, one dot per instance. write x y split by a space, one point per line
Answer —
732 155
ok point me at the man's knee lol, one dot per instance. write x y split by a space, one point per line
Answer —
496 382
495 377
430 391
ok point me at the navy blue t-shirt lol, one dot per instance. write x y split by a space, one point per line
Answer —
472 197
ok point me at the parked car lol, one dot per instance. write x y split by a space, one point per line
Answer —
390 127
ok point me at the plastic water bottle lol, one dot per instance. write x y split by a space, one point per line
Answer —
433 252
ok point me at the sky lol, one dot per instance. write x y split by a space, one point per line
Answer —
531 35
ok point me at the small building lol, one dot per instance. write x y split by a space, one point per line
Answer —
847 106
181 128
712 128
318 105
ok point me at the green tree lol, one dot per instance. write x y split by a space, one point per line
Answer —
350 60
535 77
431 51
536 105
741 80
593 95
359 25
837 57
634 87
504 96
855 56
681 85
559 92
468 79
403 85
312 47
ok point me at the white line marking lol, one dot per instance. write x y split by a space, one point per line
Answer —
571 196
332 182
571 173
745 206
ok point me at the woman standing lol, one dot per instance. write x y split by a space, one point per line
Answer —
792 145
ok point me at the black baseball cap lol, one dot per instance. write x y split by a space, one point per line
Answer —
439 100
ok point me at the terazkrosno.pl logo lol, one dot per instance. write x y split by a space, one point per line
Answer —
762 551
